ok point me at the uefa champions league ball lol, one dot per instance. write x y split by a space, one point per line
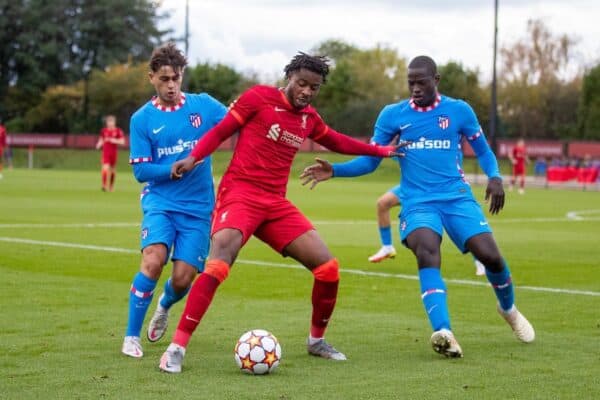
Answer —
257 352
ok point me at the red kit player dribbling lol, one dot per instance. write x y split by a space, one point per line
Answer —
251 200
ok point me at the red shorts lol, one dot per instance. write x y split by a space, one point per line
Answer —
109 158
271 218
518 169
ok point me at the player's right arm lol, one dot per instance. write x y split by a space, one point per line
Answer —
140 156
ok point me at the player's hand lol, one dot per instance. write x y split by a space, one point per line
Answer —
494 193
182 166
394 150
313 174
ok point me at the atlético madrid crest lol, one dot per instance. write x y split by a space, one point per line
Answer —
443 121
195 120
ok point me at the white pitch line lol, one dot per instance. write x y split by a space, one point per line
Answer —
80 225
296 266
571 216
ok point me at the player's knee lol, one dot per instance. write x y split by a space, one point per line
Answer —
153 262
218 269
182 279
328 272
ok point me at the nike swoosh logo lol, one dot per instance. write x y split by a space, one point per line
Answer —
155 131
403 127
279 109
483 223
191 319
431 309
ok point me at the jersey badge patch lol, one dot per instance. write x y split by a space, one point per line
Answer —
195 120
443 121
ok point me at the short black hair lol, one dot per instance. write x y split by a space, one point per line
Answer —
167 54
316 64
424 62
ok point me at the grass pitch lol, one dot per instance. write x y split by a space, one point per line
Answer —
68 253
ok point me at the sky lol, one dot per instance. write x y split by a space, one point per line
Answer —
261 36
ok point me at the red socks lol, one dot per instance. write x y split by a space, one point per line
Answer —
324 296
199 299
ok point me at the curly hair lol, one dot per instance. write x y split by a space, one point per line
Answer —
167 54
316 64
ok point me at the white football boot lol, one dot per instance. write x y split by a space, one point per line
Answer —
479 268
383 253
132 347
172 359
159 322
521 327
443 342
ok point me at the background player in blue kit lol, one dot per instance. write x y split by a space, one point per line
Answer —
177 213
436 197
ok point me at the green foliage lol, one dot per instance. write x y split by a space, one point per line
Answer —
60 107
535 99
46 43
57 111
461 83
359 85
220 81
119 90
588 114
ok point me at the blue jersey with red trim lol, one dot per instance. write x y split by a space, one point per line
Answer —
432 165
162 135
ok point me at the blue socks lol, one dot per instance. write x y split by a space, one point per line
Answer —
171 297
140 297
433 294
385 234
503 287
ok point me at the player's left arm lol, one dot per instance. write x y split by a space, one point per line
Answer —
487 160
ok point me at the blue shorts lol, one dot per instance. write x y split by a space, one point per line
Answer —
396 192
461 219
186 235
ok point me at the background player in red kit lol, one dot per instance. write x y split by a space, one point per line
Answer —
251 198
110 136
518 158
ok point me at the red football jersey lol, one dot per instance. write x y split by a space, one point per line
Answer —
2 136
115 133
272 132
519 154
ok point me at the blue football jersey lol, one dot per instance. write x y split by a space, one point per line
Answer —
432 165
164 135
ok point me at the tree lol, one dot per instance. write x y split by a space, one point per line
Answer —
461 83
60 106
360 84
60 42
218 80
536 96
588 114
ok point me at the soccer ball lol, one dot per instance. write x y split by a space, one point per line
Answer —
257 352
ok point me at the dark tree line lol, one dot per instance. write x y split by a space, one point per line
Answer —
65 63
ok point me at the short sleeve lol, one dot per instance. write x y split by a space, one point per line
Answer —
216 110
470 126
